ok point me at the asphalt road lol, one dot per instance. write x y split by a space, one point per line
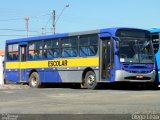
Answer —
79 101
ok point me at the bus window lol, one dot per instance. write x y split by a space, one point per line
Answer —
69 52
51 49
12 52
51 53
35 50
88 51
69 47
88 45
47 44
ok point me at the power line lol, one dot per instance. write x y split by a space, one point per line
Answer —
19 30
20 18
5 20
48 21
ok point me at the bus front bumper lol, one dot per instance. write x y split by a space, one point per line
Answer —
122 75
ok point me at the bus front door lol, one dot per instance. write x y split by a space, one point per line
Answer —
22 58
106 59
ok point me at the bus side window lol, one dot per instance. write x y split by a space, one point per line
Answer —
35 50
12 50
15 57
9 56
30 56
69 47
83 52
88 45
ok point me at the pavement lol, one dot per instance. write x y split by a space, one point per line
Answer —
20 99
13 86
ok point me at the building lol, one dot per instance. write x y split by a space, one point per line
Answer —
1 52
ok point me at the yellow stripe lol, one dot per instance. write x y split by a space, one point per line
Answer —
58 63
12 65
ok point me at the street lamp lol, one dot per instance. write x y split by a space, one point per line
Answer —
56 20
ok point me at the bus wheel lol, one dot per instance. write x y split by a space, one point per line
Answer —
34 81
90 81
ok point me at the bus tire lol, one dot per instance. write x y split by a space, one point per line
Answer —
90 81
34 80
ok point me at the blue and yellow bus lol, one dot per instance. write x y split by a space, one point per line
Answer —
156 42
88 58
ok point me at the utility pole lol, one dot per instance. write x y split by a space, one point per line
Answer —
27 25
54 21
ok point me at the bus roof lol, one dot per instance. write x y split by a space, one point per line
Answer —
111 31
155 30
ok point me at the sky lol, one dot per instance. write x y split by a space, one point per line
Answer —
81 15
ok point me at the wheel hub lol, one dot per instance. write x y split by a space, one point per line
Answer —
34 81
91 80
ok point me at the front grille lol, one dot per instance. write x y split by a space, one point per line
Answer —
135 68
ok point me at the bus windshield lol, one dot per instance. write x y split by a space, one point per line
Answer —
135 50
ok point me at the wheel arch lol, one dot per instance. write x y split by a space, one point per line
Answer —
85 71
33 70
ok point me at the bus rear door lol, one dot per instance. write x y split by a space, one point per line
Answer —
22 58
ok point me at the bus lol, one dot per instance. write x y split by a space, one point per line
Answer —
156 41
87 58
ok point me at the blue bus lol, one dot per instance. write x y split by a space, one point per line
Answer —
87 58
156 41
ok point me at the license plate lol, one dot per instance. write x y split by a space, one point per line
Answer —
140 76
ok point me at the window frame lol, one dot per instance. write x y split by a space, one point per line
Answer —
40 51
12 51
74 46
89 45
51 48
